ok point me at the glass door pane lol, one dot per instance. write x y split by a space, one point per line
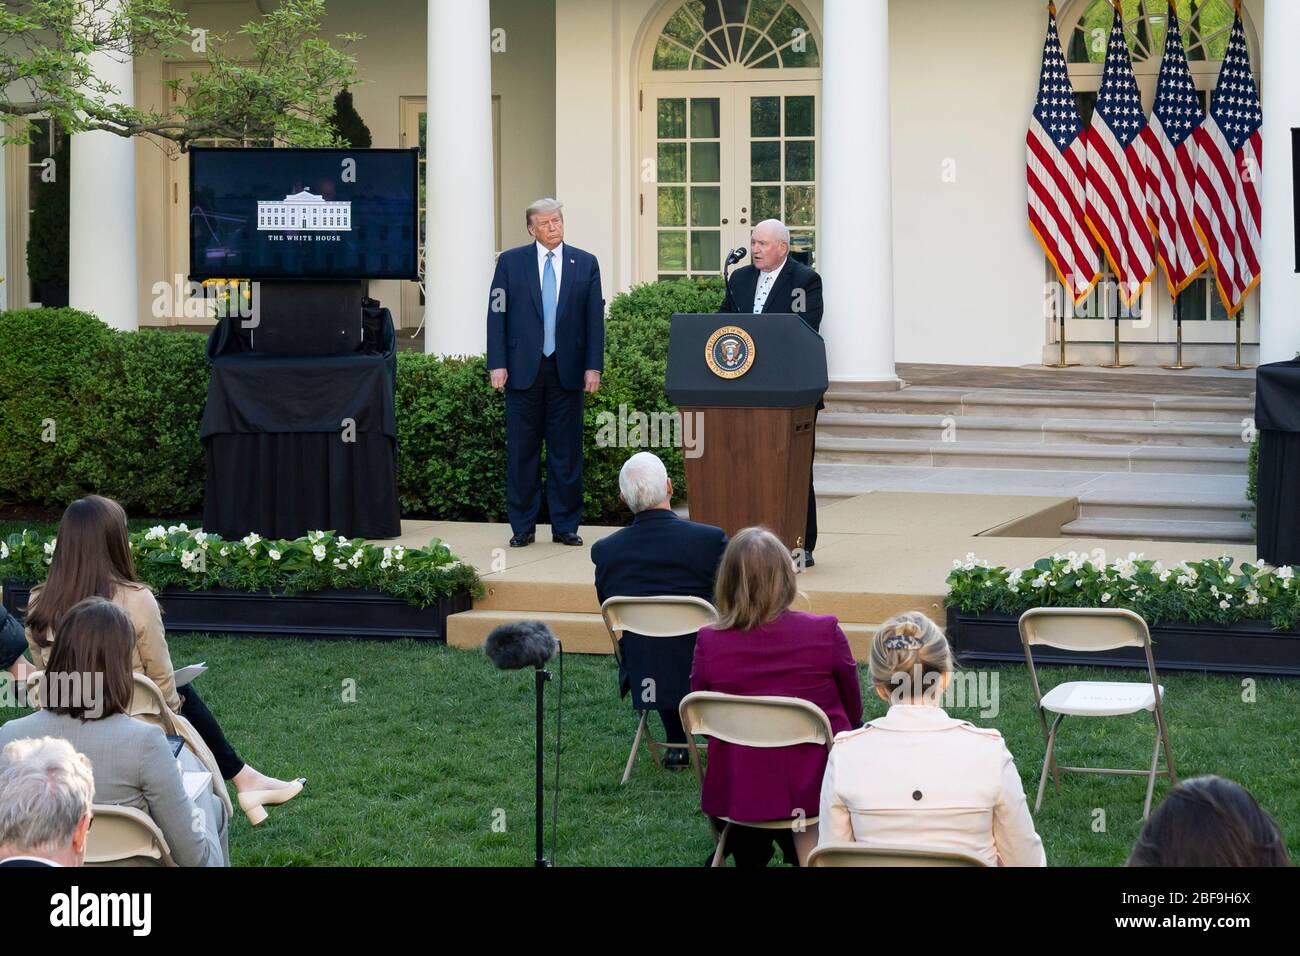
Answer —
687 196
778 125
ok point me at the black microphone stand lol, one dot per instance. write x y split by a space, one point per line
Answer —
730 261
541 677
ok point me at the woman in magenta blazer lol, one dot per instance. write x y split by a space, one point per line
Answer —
760 647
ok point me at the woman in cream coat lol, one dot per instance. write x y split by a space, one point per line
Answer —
917 777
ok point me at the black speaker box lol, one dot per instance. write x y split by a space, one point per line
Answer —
307 317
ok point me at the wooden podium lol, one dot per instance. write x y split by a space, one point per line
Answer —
754 382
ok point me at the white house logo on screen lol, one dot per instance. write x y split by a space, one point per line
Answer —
304 210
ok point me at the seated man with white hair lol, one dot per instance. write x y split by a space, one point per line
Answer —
46 790
658 554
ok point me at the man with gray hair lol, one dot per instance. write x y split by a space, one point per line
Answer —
46 791
545 349
658 554
776 284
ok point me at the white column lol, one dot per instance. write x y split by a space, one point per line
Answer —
101 195
1279 291
855 239
460 193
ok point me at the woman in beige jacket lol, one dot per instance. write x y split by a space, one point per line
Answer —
917 777
93 558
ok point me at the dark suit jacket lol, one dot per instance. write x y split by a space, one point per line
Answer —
515 324
797 655
15 861
13 641
658 554
794 275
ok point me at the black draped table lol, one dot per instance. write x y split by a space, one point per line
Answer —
1277 417
299 444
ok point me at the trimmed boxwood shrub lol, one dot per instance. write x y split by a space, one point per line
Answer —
126 409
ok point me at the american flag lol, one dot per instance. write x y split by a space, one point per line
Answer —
1116 185
1057 160
1228 166
1170 155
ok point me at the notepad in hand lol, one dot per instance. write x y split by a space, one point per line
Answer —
195 782
186 675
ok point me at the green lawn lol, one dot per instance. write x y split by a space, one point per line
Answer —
438 743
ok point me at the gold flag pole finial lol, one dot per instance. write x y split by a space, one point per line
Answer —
1051 8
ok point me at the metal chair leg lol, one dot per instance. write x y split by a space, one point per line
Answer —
1151 777
1056 772
1169 754
720 854
1048 761
636 745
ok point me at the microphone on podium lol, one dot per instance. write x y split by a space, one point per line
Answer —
734 256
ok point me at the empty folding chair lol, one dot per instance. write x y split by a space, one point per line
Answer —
1093 630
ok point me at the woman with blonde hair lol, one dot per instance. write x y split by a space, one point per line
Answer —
760 647
917 777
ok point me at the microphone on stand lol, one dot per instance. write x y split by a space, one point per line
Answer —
734 256
513 647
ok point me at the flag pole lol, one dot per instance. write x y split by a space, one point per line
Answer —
1105 304
1178 320
1237 366
1061 362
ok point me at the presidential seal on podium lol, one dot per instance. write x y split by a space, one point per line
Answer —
729 352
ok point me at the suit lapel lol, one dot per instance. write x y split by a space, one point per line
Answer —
534 279
567 275
780 291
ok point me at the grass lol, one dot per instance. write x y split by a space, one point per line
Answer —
436 748
434 753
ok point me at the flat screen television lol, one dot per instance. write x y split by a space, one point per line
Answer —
266 213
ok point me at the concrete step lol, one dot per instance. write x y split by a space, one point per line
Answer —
1039 403
1061 456
1229 508
1021 429
585 633
1160 530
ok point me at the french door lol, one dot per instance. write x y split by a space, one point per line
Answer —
716 158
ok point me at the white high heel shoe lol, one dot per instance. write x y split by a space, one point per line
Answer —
255 802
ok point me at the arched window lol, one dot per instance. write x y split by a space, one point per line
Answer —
1206 24
754 34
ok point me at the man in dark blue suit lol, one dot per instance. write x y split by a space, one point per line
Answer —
778 285
658 554
545 348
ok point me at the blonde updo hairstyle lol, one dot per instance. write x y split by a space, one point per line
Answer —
910 659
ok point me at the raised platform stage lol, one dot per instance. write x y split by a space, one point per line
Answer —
878 554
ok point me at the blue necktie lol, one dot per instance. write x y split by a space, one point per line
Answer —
548 306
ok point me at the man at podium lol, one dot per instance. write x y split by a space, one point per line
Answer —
777 284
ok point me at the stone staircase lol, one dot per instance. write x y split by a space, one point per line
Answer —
1147 466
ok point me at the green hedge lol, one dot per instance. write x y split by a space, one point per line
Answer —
126 409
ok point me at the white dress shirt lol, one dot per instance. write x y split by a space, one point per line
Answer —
919 777
557 264
766 280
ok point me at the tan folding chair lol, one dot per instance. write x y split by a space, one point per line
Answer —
149 705
118 834
752 722
872 854
654 617
1093 630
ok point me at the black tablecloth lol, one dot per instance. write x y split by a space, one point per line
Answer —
298 444
1277 416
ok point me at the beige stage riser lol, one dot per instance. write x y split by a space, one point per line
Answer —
586 634
1028 431
1145 459
1026 404
847 605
